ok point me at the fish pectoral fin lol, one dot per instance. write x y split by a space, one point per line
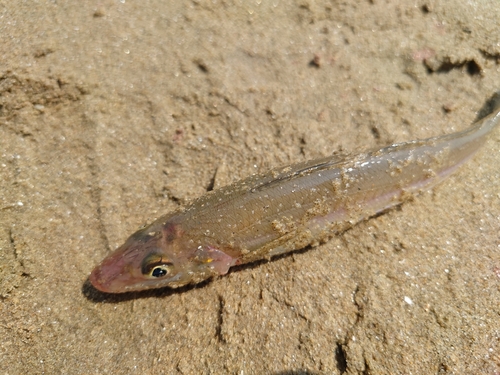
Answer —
218 260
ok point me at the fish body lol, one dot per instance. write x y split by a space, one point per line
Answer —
285 209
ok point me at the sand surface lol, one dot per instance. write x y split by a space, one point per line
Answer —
114 113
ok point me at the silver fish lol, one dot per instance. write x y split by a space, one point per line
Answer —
282 210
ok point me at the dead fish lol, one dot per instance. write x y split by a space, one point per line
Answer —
285 209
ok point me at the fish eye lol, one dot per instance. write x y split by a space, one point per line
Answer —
161 270
154 265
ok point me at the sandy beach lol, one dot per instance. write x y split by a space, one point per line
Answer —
114 112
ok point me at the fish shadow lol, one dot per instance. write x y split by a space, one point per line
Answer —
96 296
489 106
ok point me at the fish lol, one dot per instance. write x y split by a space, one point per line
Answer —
282 210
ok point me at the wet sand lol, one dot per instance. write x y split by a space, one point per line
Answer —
113 114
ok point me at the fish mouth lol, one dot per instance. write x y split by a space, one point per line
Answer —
101 282
112 275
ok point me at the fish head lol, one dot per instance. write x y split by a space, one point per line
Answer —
158 256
